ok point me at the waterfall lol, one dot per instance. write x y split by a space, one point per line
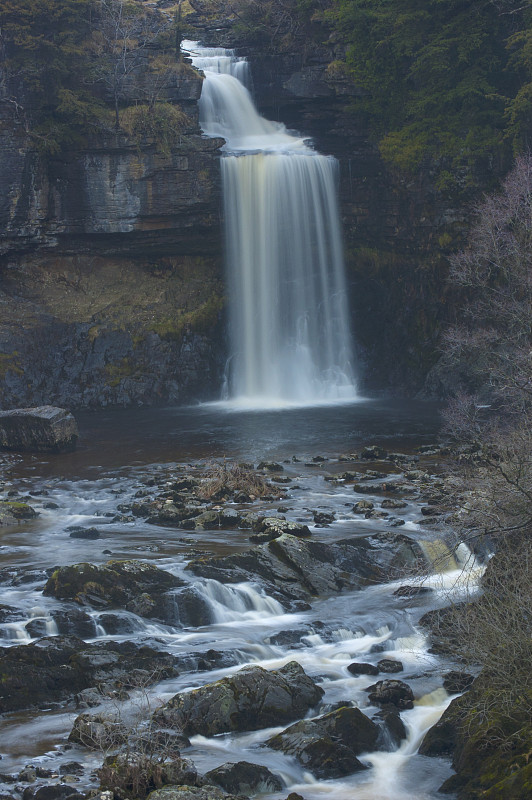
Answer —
289 323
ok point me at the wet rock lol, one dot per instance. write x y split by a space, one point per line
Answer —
412 591
273 527
191 608
133 585
391 502
45 429
285 638
360 668
270 466
250 699
57 791
442 738
457 681
10 614
390 665
78 532
397 693
58 667
322 518
328 745
12 512
300 568
117 624
71 768
393 726
97 731
363 506
244 778
74 622
191 793
374 453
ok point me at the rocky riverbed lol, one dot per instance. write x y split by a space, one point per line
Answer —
235 628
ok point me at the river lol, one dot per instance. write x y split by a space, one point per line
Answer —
118 453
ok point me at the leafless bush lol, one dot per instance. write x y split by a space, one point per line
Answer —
229 478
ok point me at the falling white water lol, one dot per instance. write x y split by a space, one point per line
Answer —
289 329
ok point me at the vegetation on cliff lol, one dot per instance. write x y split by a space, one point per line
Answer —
66 64
441 84
491 417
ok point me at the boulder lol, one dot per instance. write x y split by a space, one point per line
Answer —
390 665
268 528
250 699
300 568
45 429
328 746
361 668
134 585
56 668
396 693
393 729
12 512
244 778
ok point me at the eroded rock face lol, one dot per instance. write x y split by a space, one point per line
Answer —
328 745
45 429
253 698
111 290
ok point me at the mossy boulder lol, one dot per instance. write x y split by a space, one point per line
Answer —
134 585
250 699
12 512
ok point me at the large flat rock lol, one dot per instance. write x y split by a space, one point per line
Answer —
44 429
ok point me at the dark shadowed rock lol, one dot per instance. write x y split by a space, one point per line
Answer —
456 681
45 429
360 668
393 727
328 745
58 667
244 778
56 791
390 665
300 568
397 693
250 699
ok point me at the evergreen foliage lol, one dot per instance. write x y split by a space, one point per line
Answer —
441 78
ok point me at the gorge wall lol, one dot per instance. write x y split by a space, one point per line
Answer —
111 287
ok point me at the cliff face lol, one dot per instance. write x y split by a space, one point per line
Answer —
110 274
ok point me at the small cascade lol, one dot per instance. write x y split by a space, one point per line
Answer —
289 322
230 603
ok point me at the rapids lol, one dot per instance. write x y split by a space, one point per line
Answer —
245 624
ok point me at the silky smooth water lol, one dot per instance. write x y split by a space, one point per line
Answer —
118 453
289 322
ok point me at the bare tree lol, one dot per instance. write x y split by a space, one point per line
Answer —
124 31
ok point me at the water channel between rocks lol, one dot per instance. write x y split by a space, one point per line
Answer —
122 455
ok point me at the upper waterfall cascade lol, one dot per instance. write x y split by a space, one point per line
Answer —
289 324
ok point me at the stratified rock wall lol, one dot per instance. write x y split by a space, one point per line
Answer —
111 287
